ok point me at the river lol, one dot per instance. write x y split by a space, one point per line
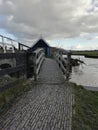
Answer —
86 74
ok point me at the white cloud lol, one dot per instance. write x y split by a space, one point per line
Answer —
93 46
1 1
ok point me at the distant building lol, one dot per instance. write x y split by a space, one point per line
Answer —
41 44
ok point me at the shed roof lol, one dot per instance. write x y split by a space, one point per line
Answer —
40 40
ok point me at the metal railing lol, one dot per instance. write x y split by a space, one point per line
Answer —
8 45
4 44
22 46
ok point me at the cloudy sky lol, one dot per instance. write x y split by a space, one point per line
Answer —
70 24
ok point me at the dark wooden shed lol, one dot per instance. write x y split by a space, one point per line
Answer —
42 44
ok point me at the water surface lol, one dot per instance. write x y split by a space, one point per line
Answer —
86 74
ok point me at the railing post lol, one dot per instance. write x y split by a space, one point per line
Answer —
35 67
19 47
69 61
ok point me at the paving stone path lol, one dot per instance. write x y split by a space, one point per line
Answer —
48 106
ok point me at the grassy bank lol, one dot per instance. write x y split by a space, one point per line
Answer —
9 96
90 53
85 109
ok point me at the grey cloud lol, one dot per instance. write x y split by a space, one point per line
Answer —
28 19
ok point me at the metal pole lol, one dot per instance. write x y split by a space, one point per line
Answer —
12 46
3 44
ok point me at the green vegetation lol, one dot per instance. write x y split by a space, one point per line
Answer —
85 109
9 96
6 79
90 53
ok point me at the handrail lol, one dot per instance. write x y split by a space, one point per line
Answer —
64 64
4 44
39 56
20 46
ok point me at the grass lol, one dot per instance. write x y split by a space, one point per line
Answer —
6 79
85 109
90 53
9 96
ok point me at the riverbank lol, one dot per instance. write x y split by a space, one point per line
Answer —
82 53
91 56
85 108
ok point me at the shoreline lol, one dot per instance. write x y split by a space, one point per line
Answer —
91 56
92 88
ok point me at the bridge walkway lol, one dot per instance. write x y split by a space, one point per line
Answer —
48 106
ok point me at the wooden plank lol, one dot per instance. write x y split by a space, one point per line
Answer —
39 66
7 55
39 58
11 55
12 70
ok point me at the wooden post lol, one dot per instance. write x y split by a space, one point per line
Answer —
69 61
19 46
68 65
35 66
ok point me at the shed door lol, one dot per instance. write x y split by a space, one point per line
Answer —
48 51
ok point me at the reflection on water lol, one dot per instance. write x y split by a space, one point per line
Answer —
85 74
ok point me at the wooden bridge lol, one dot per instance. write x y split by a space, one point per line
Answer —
48 106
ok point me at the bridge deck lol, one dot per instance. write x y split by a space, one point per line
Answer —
48 106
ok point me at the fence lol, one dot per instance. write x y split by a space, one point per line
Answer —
19 59
27 64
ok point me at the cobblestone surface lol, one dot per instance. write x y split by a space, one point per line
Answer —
48 106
